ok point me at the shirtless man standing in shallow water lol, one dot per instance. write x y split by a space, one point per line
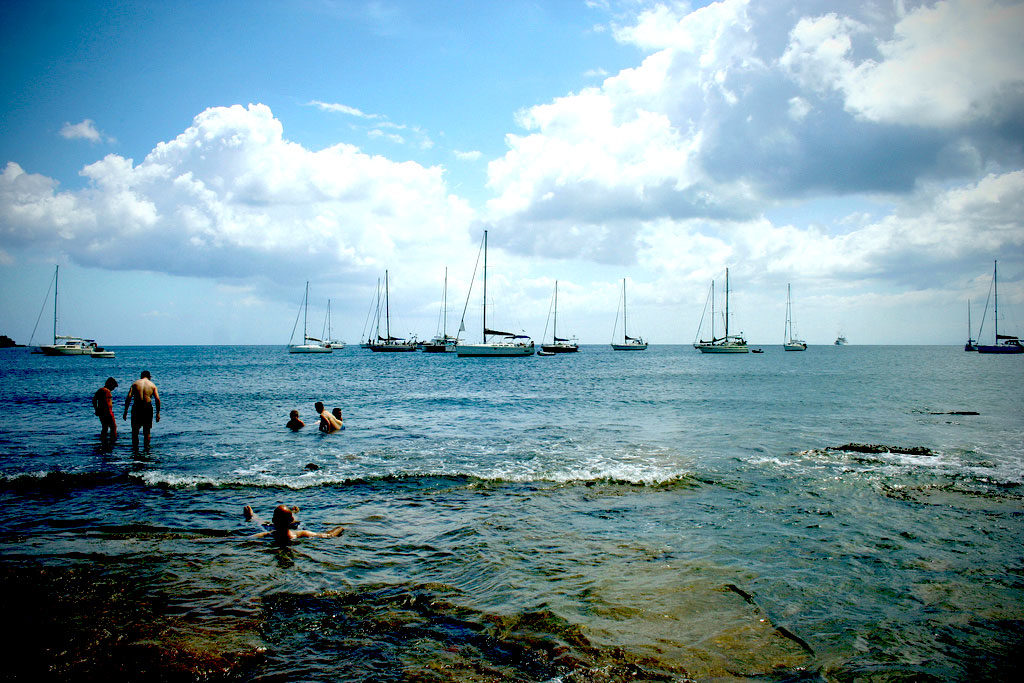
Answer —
146 397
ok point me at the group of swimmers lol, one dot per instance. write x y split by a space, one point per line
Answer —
144 400
329 421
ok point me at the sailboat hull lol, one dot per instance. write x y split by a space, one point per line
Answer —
795 346
722 348
309 348
559 348
1001 348
494 350
629 347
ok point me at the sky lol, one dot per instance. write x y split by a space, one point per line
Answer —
190 166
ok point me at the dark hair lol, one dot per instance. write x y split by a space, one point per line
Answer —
319 405
145 373
110 383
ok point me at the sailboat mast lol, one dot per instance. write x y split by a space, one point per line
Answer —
624 333
305 311
485 286
727 303
56 272
444 325
788 332
712 311
554 326
387 307
995 288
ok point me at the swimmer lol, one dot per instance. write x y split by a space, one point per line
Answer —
337 414
103 406
145 396
328 423
284 524
294 423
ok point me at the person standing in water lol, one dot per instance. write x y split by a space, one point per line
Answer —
144 400
103 406
294 423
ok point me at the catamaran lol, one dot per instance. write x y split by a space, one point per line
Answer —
65 345
388 343
495 344
442 341
309 344
730 343
558 344
1004 343
628 343
789 340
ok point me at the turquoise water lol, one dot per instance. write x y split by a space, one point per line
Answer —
590 517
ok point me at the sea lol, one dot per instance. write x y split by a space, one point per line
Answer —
846 513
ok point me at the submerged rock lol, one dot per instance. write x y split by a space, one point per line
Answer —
878 448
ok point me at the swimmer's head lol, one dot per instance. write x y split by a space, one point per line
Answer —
336 413
111 383
319 405
145 374
294 415
284 517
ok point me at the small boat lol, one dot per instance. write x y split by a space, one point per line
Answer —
789 340
329 339
65 345
542 352
840 340
759 350
387 343
442 342
309 344
558 344
1004 343
730 343
971 344
628 343
495 344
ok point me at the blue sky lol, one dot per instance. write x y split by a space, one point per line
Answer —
191 165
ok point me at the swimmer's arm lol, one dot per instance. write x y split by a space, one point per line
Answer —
333 533
156 400
128 401
250 515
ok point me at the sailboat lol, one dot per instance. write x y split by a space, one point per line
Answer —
309 344
628 343
65 345
442 341
1004 343
789 341
972 344
388 343
558 344
329 339
730 343
501 344
365 338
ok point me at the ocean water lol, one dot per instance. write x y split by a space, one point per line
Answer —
600 516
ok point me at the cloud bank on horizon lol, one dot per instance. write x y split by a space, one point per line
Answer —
863 146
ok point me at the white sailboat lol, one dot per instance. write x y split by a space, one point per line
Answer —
628 343
442 341
730 343
558 344
365 339
309 344
789 340
387 343
501 344
329 339
65 345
